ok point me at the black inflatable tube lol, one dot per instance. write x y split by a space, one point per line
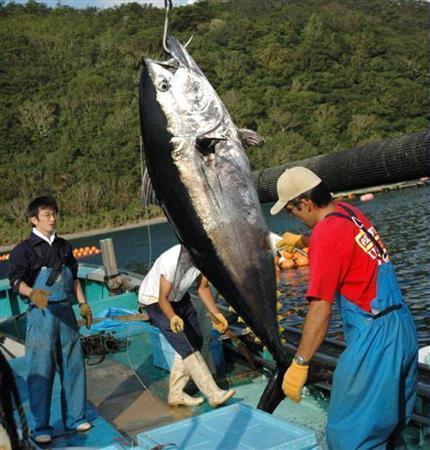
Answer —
388 161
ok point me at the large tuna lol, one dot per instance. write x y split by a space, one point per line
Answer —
201 176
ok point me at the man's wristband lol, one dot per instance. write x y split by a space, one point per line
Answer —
298 358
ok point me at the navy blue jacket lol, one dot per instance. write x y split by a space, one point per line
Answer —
27 258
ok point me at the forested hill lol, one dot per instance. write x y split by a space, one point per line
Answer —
312 76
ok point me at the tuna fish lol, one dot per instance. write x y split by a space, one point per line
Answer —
201 176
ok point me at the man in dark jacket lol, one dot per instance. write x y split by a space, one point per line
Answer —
44 272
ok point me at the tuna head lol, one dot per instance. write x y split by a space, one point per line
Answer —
190 139
201 176
190 104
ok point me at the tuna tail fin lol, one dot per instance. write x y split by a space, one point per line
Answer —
273 394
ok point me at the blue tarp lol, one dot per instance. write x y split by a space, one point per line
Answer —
117 327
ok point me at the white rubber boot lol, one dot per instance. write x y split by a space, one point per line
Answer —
179 378
4 439
203 378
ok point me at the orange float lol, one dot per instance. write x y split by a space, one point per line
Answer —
86 251
287 264
301 260
288 260
286 255
77 252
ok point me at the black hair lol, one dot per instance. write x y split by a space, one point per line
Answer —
44 202
320 195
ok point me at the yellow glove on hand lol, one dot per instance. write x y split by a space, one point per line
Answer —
40 297
176 324
294 379
290 240
220 324
86 314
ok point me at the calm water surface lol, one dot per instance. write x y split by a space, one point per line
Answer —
401 217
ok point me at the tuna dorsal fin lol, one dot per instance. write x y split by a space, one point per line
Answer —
147 191
250 138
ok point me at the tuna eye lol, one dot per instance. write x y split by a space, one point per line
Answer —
163 86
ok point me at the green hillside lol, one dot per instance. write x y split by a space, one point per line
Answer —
312 76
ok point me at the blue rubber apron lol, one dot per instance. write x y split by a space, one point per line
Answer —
53 343
375 381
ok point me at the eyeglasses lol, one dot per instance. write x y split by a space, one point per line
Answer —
289 210
293 204
48 215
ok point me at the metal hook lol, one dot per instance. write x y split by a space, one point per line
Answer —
168 5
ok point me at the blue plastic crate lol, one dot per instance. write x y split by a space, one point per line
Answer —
235 427
163 353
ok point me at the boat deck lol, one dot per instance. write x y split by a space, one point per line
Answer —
127 393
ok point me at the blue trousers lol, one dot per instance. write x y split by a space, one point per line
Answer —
184 343
375 381
53 343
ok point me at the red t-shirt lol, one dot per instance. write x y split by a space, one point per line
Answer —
343 259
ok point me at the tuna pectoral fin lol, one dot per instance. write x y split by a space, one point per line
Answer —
250 138
273 394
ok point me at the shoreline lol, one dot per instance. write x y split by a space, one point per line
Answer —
424 181
94 232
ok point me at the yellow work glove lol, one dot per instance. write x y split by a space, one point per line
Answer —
176 324
86 314
40 297
294 379
219 322
290 241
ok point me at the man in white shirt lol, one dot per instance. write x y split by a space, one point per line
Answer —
164 294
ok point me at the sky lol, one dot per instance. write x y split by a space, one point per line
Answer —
108 3
105 3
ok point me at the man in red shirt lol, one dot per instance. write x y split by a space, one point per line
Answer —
374 384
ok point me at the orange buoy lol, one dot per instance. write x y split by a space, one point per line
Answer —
85 251
367 197
286 255
301 260
287 264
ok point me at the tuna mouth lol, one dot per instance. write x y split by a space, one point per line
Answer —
179 57
172 64
178 52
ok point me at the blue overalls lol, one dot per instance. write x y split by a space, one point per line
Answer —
52 343
375 381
